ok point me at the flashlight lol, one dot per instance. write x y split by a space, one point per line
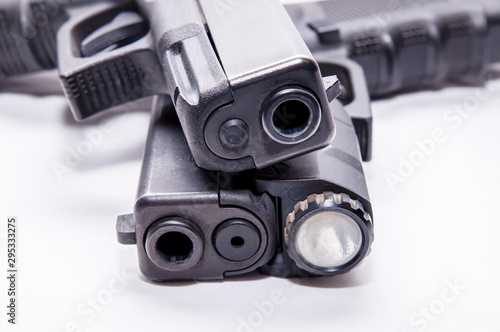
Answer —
325 221
327 233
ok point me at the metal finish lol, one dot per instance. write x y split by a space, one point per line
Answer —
175 196
337 169
115 52
241 217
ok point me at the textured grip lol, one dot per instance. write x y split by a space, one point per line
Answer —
406 44
44 44
28 36
11 63
345 11
420 46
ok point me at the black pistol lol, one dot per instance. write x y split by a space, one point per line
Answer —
310 215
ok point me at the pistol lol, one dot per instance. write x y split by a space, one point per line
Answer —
247 90
242 171
308 216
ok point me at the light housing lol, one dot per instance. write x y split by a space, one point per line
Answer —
328 233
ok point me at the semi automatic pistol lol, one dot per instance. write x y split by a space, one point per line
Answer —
246 89
310 215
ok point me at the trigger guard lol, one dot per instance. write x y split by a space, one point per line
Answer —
105 80
126 28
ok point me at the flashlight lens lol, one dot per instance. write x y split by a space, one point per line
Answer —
329 239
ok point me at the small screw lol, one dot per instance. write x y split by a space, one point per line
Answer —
233 133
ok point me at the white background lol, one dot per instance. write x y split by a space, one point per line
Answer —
434 264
